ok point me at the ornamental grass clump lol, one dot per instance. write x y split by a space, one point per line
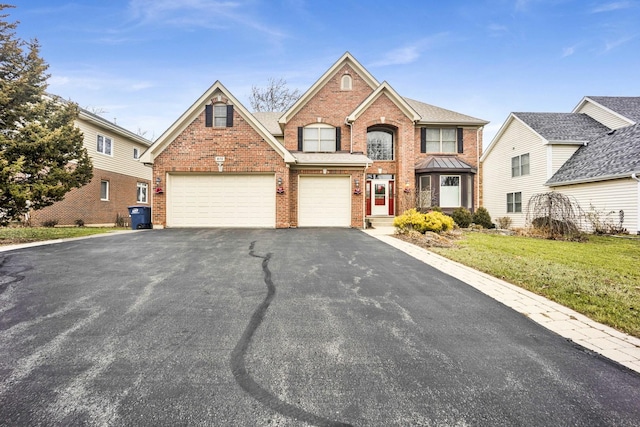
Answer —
411 219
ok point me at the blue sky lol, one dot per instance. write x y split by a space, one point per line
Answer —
144 62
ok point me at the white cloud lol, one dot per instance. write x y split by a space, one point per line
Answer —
411 53
210 14
609 7
568 51
610 45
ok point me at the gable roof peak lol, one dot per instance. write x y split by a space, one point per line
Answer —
400 102
196 108
345 59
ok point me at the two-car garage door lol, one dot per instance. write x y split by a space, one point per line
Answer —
221 201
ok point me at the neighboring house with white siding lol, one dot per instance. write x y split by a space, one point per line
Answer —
591 154
119 179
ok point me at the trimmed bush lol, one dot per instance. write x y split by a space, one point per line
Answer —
481 217
50 223
462 216
431 221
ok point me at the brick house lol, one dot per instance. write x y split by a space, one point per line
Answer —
119 179
350 149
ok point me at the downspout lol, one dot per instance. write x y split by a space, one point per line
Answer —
346 122
480 171
635 176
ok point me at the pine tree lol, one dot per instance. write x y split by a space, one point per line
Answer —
41 150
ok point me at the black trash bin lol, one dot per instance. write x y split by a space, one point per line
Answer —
140 217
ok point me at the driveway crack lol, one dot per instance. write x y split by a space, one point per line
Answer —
238 365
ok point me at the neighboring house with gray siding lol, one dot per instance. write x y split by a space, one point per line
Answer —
591 154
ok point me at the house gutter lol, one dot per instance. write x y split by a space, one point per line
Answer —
635 176
479 146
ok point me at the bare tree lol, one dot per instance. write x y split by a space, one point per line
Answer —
276 96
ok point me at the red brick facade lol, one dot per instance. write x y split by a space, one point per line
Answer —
84 203
192 146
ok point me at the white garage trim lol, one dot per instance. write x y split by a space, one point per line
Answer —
216 200
324 201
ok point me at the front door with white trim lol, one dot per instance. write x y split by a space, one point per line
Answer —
379 197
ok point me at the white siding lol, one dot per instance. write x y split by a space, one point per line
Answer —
517 139
608 196
605 117
122 160
560 154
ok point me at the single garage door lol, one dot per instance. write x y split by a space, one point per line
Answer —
221 201
324 201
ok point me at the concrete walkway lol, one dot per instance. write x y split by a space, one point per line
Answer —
604 340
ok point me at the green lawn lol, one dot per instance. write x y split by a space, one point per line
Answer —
14 235
599 278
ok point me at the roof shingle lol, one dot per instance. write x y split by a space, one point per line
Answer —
556 127
614 154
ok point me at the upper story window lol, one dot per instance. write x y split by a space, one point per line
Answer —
441 140
319 137
136 153
220 115
380 144
346 83
520 165
104 145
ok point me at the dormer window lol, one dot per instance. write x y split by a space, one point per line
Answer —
346 83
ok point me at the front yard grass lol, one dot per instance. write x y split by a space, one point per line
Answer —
599 278
16 235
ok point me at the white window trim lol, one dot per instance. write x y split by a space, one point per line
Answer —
520 173
318 126
346 82
440 150
459 203
392 134
107 187
136 153
512 205
104 138
146 193
221 107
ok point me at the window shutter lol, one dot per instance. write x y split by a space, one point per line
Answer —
423 140
338 138
300 130
460 141
208 116
229 116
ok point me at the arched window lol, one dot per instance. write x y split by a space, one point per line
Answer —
380 144
346 82
319 137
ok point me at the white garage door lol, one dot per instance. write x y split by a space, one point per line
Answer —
221 201
324 201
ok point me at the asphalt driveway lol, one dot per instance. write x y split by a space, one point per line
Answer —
278 328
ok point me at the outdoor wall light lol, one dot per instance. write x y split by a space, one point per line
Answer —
279 188
406 187
158 180
357 190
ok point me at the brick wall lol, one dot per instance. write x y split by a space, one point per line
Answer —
196 148
84 203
